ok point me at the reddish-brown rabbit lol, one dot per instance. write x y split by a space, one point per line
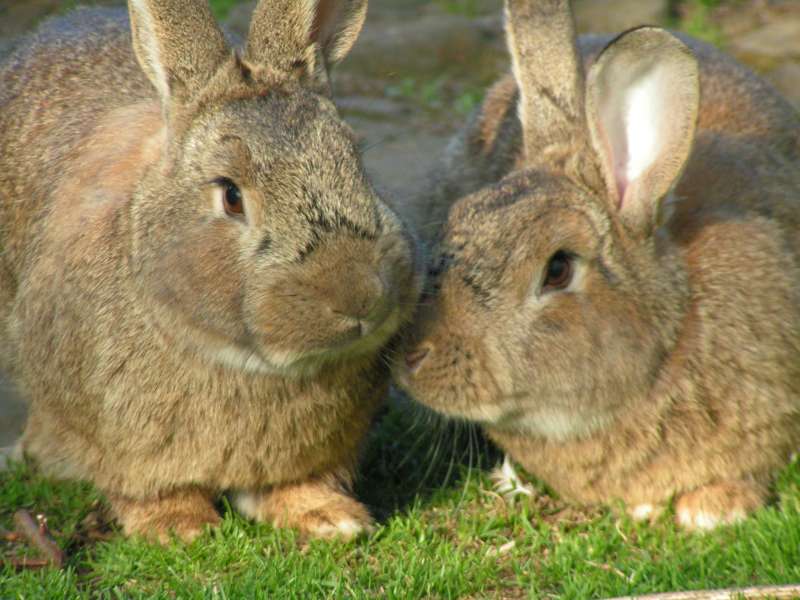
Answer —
197 278
621 311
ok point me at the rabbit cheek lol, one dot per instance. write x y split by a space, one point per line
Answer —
190 279
571 387
285 322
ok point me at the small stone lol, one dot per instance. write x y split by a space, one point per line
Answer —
615 16
777 40
430 46
786 78
376 107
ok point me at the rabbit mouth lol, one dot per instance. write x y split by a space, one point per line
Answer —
364 341
366 337
248 355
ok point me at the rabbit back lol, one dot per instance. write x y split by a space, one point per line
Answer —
55 89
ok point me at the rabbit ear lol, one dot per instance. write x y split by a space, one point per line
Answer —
304 38
337 24
642 103
549 72
178 45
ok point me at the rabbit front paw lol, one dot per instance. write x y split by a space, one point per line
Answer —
184 514
313 508
718 504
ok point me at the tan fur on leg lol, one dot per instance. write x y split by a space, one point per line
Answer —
184 513
719 504
318 508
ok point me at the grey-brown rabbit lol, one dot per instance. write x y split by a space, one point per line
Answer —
621 310
198 280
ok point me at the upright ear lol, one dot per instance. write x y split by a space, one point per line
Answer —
549 73
304 38
178 45
643 98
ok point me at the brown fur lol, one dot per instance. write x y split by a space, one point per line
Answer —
671 365
318 513
172 352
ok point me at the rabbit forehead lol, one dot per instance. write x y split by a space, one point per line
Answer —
522 214
276 125
291 150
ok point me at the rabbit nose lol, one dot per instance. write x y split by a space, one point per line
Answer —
371 303
366 306
374 316
415 358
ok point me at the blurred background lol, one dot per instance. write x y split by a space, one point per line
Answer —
421 66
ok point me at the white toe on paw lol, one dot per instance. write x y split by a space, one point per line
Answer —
642 512
705 521
697 520
507 482
246 503
345 528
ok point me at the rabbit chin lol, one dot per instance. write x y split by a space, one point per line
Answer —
512 415
553 423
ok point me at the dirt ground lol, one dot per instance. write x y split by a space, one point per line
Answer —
421 66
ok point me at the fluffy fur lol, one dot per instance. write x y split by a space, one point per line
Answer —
172 350
670 364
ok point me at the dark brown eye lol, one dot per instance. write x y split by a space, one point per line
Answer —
559 272
231 197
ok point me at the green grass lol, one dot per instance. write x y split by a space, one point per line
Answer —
221 8
695 17
437 538
440 94
467 8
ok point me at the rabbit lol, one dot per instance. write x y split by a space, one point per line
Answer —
199 282
621 310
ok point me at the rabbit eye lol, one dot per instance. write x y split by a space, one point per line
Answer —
231 197
559 272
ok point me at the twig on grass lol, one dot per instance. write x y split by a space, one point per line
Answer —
37 534
779 592
28 563
609 569
9 536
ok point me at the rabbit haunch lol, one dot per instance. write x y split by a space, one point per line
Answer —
667 362
173 349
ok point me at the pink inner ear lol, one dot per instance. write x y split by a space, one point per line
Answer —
322 20
622 184
619 157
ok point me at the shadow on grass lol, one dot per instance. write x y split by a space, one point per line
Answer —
411 454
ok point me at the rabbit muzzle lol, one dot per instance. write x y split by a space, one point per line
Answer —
346 300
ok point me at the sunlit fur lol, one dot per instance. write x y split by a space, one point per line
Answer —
672 367
170 351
